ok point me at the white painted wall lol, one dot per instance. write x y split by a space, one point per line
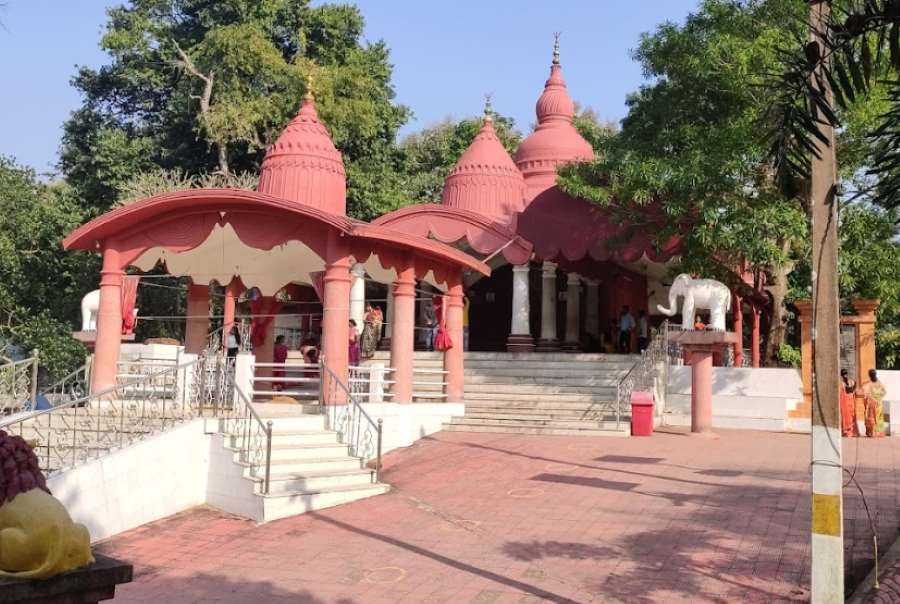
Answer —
404 424
756 399
149 480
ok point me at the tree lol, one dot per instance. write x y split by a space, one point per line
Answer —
40 284
688 160
205 85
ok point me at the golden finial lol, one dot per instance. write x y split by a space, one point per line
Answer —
488 110
309 86
556 47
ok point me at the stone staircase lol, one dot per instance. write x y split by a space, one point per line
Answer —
310 469
535 393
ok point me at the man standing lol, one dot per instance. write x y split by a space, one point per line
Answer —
626 324
643 331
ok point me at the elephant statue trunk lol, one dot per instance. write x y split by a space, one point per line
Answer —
673 304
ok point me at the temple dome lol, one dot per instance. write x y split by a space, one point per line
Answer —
304 166
485 179
555 140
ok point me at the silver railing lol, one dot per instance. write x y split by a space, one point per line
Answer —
89 427
345 415
644 373
249 435
72 387
18 385
300 380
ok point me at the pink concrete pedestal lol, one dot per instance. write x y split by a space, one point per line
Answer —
699 348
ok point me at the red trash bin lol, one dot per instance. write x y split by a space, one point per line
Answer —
641 414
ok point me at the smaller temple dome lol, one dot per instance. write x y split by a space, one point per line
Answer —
485 179
304 166
555 140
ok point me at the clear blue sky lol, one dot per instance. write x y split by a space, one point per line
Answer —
446 55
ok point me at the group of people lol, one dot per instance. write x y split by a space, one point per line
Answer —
873 394
363 346
622 329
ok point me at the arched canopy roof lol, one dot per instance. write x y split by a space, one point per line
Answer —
564 227
451 224
216 234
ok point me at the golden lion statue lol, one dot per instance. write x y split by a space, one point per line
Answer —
37 536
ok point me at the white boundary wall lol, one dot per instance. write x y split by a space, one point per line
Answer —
756 399
405 423
146 481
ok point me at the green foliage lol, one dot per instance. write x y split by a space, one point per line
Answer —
789 355
157 181
40 284
688 160
206 85
857 66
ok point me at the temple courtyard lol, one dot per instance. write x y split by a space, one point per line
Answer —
488 518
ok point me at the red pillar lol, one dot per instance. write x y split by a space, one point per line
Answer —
453 357
109 323
754 339
739 330
196 326
336 316
232 292
403 332
701 389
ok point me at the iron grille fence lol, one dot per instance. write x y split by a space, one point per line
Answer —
18 385
652 366
345 415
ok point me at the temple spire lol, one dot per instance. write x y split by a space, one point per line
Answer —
488 109
556 47
309 96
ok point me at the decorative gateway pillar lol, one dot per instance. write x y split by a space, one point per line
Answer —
754 339
336 318
402 334
592 312
196 327
573 312
109 323
738 311
454 356
548 341
358 294
520 339
232 293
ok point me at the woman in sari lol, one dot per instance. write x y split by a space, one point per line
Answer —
371 332
353 350
848 405
874 400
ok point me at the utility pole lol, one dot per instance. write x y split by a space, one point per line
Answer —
827 547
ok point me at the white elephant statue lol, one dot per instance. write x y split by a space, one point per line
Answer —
698 293
89 306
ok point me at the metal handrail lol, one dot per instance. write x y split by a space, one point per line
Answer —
73 386
248 451
346 421
18 384
88 427
643 372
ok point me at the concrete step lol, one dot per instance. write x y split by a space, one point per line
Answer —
536 430
545 389
537 405
317 481
297 452
315 465
295 437
537 423
597 415
512 396
608 380
472 356
282 505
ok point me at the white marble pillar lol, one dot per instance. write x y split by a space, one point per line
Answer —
592 312
358 295
573 312
520 339
548 308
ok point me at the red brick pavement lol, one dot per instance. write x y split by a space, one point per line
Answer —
487 518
